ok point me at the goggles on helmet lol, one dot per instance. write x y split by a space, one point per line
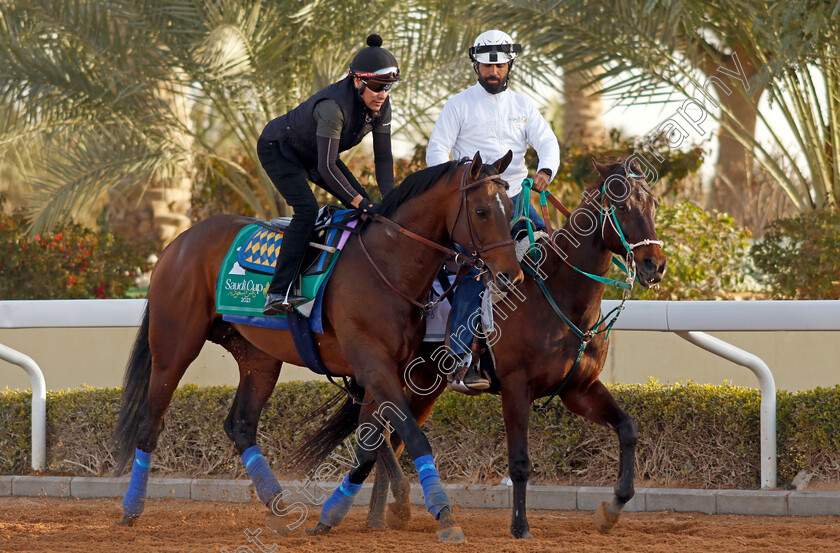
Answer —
387 74
494 49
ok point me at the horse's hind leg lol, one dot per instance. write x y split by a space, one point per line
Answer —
370 438
387 391
258 374
173 348
388 471
598 405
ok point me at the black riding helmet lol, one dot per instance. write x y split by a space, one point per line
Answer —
375 62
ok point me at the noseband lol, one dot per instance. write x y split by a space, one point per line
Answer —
605 322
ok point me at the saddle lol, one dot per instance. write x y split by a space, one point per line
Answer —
259 252
248 267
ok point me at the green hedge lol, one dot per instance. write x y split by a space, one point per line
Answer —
690 435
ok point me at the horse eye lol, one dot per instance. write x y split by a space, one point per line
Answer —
481 212
621 207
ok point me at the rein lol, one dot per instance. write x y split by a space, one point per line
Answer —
465 261
629 267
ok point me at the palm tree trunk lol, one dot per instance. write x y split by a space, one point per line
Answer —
733 186
582 111
155 215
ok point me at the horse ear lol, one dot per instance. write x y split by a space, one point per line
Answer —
634 167
475 167
502 163
601 168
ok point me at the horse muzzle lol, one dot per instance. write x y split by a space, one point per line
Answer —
651 269
503 280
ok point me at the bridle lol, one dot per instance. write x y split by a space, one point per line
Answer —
472 259
462 207
629 264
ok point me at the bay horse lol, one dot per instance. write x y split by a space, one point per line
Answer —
373 314
538 354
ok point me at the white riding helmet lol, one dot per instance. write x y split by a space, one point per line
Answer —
494 47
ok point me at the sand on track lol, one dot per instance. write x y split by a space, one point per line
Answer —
186 526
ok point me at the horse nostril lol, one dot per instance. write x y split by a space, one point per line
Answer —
649 264
508 280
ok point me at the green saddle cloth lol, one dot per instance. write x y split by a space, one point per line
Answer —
241 290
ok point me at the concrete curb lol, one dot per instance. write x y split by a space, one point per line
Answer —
473 496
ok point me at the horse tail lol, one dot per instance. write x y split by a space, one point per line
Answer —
332 432
134 397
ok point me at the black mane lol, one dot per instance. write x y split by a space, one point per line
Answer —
414 185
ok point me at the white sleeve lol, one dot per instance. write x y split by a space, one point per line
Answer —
539 135
443 135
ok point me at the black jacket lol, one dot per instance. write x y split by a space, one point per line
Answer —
295 131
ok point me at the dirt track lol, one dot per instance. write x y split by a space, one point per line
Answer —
184 526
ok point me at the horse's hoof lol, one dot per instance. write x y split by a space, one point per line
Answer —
605 519
127 521
398 516
319 530
375 524
452 534
522 534
276 524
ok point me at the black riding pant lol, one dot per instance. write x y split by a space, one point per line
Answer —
290 179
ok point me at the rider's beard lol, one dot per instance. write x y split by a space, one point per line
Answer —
494 87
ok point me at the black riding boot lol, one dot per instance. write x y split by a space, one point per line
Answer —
281 302
282 293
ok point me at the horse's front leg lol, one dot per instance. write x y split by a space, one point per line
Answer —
424 385
597 404
393 406
516 407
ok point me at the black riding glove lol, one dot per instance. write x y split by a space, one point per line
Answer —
367 206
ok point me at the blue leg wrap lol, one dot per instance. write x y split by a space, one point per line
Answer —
436 498
339 503
261 475
135 496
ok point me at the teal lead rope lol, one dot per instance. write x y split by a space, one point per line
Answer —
521 213
584 337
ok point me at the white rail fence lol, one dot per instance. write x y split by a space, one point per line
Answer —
689 320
